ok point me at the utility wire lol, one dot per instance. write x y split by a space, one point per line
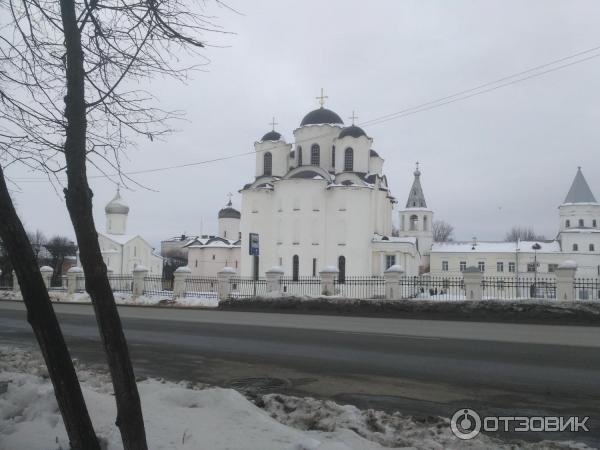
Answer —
442 101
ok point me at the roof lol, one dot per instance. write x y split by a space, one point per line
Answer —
352 131
116 205
580 191
416 198
494 247
229 213
271 136
373 153
320 116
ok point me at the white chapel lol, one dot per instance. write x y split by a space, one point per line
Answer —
123 252
325 201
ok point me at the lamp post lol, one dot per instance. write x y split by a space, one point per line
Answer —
535 248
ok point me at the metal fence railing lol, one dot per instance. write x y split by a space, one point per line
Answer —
301 286
121 283
6 282
240 287
158 286
201 287
513 288
586 289
432 288
360 287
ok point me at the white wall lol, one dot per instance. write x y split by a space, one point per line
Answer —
229 228
116 223
208 261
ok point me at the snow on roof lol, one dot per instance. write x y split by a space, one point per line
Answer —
494 247
119 238
394 239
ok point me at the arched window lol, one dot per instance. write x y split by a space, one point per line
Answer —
594 223
414 220
268 163
299 155
342 269
567 223
295 268
333 156
315 155
575 247
425 224
581 223
349 160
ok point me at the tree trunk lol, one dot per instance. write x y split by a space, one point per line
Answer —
42 319
79 203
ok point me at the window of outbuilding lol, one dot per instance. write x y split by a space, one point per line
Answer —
581 222
592 248
575 247
349 160
463 266
315 155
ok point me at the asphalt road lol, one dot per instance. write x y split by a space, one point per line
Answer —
419 367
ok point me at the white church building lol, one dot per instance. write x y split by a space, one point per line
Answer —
578 239
325 201
123 252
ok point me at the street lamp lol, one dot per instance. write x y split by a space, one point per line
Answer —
535 248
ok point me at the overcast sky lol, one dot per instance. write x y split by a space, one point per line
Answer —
499 159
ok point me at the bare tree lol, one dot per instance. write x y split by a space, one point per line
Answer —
442 231
87 56
518 233
60 247
38 241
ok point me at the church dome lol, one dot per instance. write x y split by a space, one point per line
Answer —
353 131
271 136
320 116
116 205
229 212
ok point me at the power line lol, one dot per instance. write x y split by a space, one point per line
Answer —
442 101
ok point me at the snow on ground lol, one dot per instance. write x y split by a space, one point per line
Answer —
184 416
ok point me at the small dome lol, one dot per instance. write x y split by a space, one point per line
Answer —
116 205
353 131
229 212
271 136
320 116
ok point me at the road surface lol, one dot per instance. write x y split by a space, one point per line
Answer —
419 367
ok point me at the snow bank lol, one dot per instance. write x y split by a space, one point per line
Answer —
186 417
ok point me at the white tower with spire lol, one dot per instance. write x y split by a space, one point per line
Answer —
579 218
116 215
416 219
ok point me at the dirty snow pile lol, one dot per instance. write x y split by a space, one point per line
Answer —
184 416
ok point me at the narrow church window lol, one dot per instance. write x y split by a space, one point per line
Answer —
225 233
575 247
299 155
295 267
134 251
349 160
594 223
196 263
213 257
591 247
567 223
333 156
581 222
425 225
414 220
314 267
315 155
342 269
268 163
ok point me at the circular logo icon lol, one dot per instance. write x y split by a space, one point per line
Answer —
465 424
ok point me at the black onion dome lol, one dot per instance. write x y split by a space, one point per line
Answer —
229 213
271 136
353 131
319 116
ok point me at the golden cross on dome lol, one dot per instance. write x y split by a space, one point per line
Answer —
273 123
229 195
353 117
322 98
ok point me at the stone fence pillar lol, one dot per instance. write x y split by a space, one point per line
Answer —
139 281
274 275
392 282
224 277
473 277
16 287
565 281
74 276
328 275
47 272
180 280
